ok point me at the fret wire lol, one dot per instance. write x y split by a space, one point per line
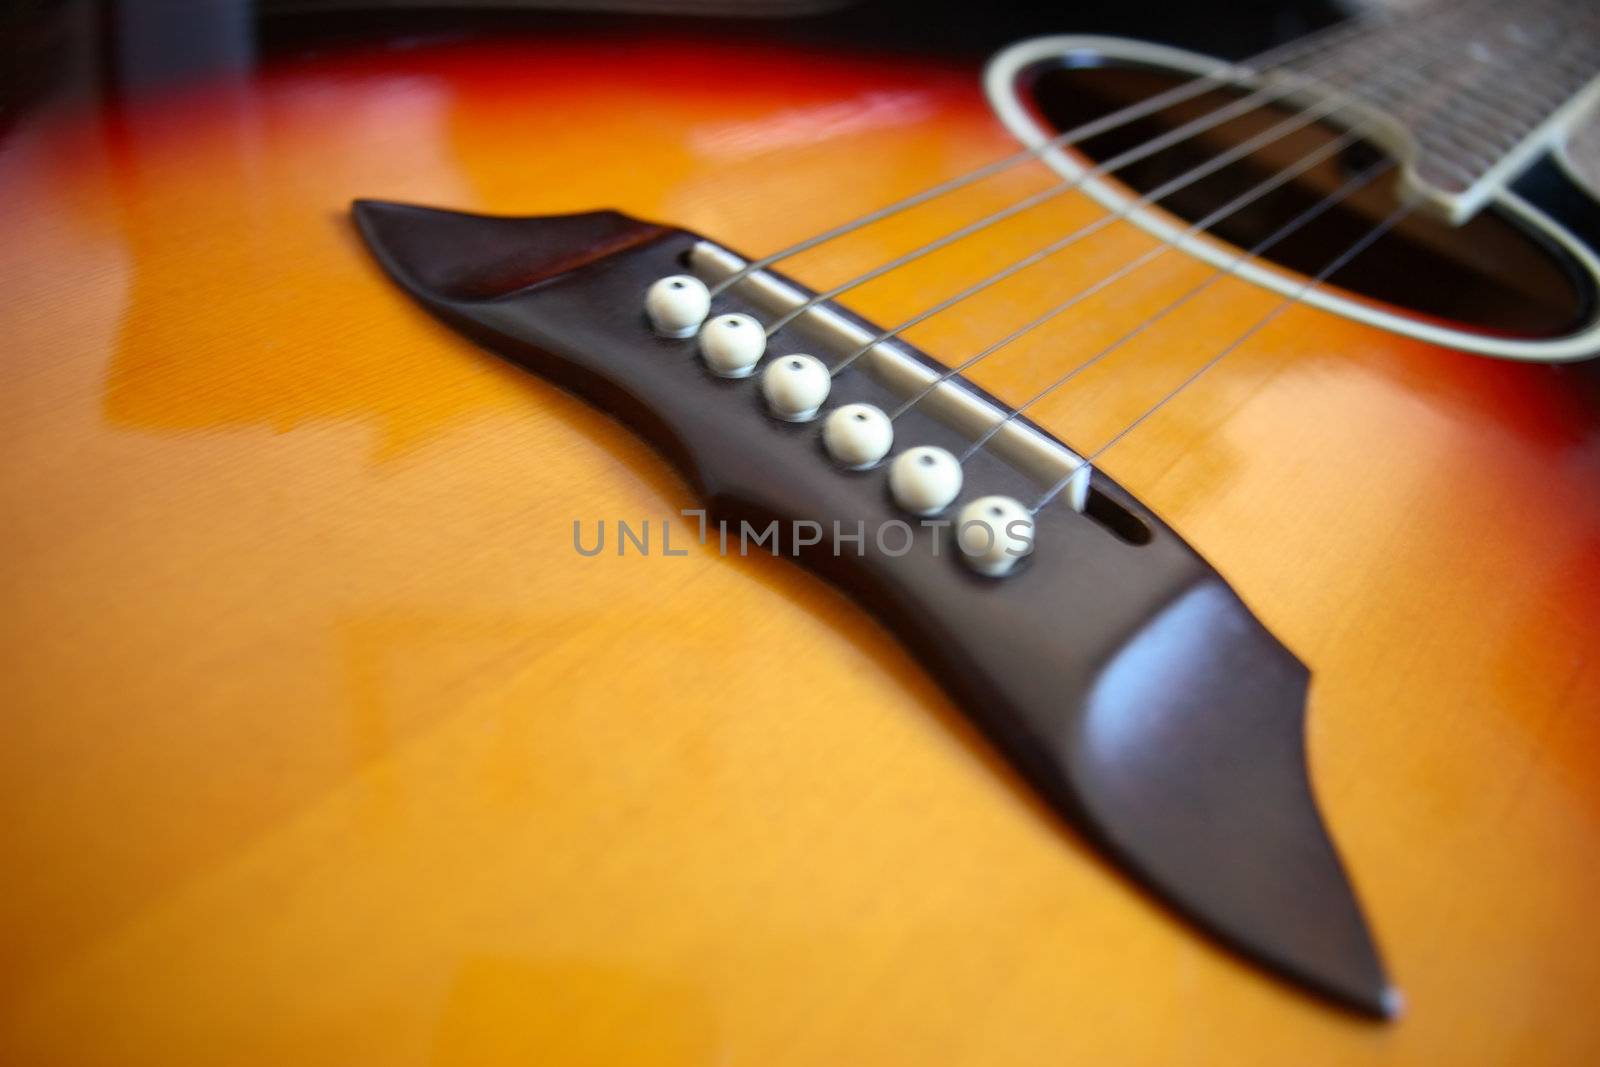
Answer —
1529 74
1458 26
1400 43
1540 107
1522 87
1467 90
1575 37
1453 93
1462 40
1454 164
1343 260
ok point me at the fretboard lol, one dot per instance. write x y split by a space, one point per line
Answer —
1476 85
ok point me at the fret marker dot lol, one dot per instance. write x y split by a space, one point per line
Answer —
732 345
857 436
676 305
795 387
925 480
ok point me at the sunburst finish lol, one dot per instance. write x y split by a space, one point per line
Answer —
324 745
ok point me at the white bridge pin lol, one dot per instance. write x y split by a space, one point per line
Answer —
795 387
732 344
924 480
677 304
857 435
994 533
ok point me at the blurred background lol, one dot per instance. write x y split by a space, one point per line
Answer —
106 48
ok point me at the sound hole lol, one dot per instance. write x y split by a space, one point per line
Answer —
1489 275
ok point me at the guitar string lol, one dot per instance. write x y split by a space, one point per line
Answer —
1370 238
1501 114
1305 118
1445 18
1210 120
1488 61
1232 73
1395 52
1242 200
1296 295
1061 244
1148 148
1460 25
1559 27
1254 101
1466 92
1292 226
1300 166
1227 270
1567 38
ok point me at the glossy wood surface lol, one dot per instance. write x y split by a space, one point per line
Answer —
323 746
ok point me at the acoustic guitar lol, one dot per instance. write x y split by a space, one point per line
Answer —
882 535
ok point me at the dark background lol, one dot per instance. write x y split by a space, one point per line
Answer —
134 45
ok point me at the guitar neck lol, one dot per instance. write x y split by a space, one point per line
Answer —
1471 92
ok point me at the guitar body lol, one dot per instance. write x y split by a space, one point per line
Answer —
325 745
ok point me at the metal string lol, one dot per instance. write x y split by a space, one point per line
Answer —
1232 74
1448 19
1297 81
1294 297
1491 103
1294 224
1244 199
1366 241
1299 121
1132 155
1243 106
1082 232
1564 38
1240 201
1151 147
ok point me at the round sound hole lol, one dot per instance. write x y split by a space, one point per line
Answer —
1488 276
